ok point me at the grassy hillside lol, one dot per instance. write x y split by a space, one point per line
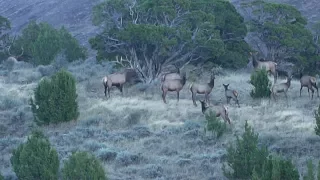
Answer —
139 136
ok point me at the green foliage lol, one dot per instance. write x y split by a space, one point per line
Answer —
1 177
259 79
245 156
283 29
35 159
42 43
277 168
214 124
55 99
317 116
318 175
310 174
82 165
5 26
160 33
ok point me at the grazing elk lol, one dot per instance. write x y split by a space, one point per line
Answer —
282 87
117 80
231 94
197 88
173 85
221 111
270 66
309 82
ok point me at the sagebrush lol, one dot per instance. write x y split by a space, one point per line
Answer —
35 159
55 99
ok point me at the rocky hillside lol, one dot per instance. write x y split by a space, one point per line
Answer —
75 15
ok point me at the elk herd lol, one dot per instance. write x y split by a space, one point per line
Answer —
175 81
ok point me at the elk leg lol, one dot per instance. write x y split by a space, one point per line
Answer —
228 100
193 99
237 101
109 91
121 89
309 91
105 90
312 92
178 96
300 90
315 86
164 93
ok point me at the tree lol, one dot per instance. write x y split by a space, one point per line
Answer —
283 30
245 157
55 99
42 43
259 79
5 26
35 159
82 165
149 35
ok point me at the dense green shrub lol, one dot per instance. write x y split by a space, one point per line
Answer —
310 174
82 165
1 177
35 159
5 26
259 79
55 99
277 168
42 43
245 156
247 161
317 116
214 124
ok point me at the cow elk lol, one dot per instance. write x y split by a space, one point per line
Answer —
270 66
221 111
172 75
231 94
117 80
281 88
197 88
309 82
173 85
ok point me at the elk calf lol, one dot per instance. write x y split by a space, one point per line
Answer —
221 111
231 94
270 66
205 89
309 82
281 88
173 85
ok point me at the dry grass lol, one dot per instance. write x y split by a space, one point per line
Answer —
139 136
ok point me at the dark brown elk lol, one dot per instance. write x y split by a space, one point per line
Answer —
197 88
309 82
231 94
118 80
221 111
173 85
270 66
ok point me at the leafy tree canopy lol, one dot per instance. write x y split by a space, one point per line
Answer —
153 34
282 28
5 26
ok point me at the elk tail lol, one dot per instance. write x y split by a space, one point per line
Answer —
313 80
